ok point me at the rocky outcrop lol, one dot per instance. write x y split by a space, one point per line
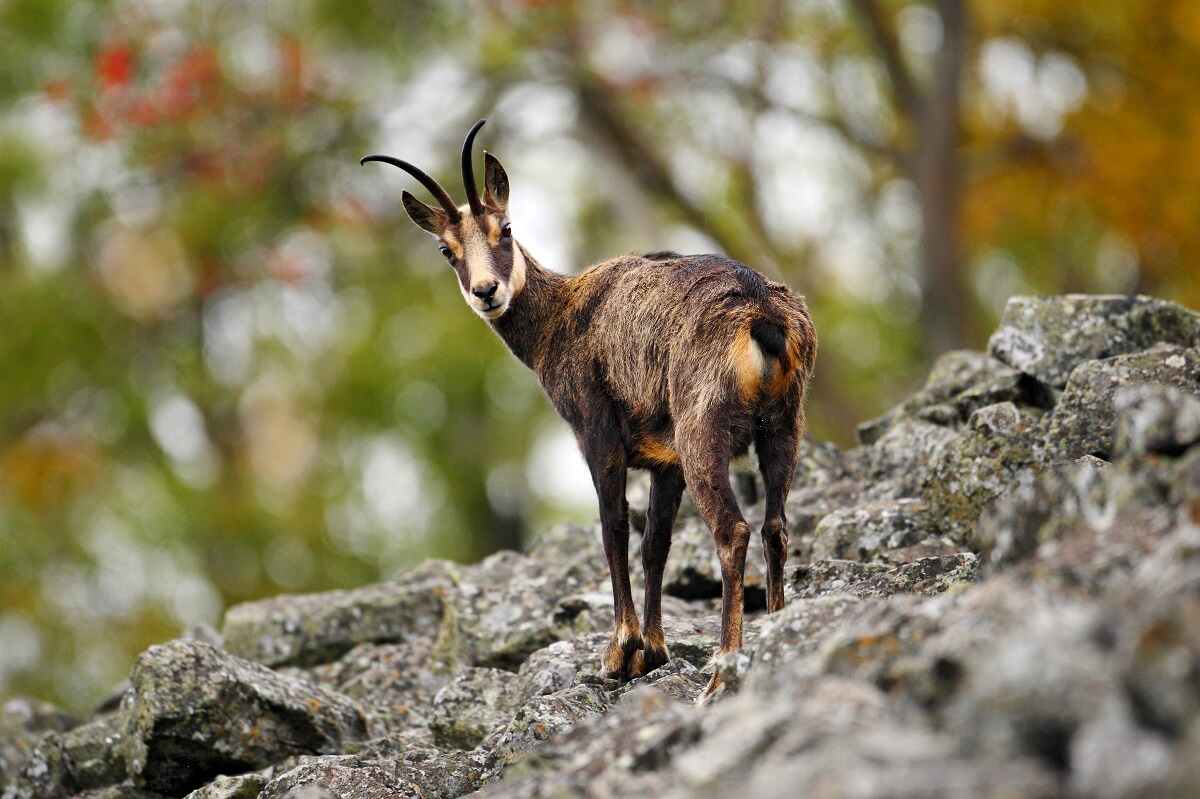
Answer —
1084 421
1048 337
194 712
318 628
992 595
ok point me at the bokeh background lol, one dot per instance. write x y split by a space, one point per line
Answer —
230 367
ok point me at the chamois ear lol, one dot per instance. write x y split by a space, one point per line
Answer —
431 220
495 182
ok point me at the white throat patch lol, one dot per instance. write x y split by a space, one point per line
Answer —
516 280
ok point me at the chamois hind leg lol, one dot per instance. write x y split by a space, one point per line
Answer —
605 457
705 452
666 488
776 440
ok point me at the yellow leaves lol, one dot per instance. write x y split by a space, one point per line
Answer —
1009 196
1185 18
48 465
1127 161
145 273
280 436
1123 147
993 14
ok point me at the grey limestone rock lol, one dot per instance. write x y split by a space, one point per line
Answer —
978 465
94 752
1084 421
317 628
861 533
339 777
542 718
1048 337
1153 419
960 383
242 786
471 705
194 712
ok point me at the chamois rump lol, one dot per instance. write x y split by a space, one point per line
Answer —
673 364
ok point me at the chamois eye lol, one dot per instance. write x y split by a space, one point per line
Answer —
445 251
506 231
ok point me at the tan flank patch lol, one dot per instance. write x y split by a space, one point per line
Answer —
657 451
780 378
748 363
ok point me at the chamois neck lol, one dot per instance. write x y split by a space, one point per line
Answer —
525 327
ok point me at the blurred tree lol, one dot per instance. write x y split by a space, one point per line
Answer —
1054 101
1101 196
232 367
228 383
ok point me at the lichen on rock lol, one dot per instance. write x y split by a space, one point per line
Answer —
1084 421
974 467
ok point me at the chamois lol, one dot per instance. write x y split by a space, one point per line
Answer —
673 364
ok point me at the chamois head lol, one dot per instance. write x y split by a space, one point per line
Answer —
475 238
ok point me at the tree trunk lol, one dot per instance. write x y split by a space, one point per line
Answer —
945 297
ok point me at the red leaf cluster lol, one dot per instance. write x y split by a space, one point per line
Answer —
115 66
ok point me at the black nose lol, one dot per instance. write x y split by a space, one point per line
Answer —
485 291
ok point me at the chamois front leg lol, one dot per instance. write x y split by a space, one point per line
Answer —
705 453
605 455
666 489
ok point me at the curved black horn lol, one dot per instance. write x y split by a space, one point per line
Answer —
434 187
469 172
